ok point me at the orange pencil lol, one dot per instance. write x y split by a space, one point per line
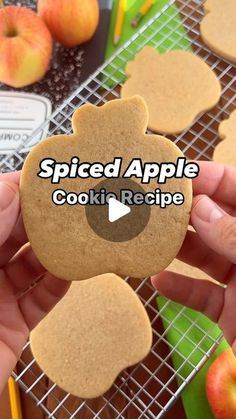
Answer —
144 9
14 396
119 21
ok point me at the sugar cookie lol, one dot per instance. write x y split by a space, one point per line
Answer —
227 128
62 236
179 267
98 329
176 85
218 27
225 151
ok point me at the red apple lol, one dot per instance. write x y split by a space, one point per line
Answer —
221 386
25 46
71 22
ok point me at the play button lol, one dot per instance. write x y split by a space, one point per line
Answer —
116 221
117 210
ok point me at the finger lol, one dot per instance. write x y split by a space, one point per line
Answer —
203 296
217 181
16 240
230 209
196 253
42 298
9 209
8 361
24 269
11 177
215 227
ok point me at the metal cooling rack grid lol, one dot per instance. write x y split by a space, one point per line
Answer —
149 389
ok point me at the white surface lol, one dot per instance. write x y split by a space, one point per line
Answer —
20 115
117 210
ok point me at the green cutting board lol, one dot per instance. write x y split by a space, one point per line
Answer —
169 34
191 343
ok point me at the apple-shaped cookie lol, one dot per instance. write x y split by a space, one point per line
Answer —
98 329
218 27
227 128
62 237
225 151
177 86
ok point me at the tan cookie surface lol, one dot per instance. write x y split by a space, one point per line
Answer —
225 151
218 27
98 329
227 128
176 85
183 268
61 237
179 267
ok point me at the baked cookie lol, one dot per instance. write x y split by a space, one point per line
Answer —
183 268
227 128
225 151
218 27
62 237
176 85
98 329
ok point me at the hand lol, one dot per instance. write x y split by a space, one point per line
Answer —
20 309
212 248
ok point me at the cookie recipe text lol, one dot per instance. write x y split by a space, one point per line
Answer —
50 169
145 172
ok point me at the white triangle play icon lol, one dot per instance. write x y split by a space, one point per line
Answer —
117 210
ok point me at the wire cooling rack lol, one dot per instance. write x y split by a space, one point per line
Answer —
149 389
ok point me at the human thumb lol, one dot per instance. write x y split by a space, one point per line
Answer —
9 209
215 227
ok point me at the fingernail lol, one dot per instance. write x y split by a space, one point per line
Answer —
7 195
207 210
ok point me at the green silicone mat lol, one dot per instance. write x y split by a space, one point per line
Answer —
198 341
169 20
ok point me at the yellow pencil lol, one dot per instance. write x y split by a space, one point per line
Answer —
14 396
144 9
119 21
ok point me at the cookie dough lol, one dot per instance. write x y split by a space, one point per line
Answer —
218 27
177 86
98 329
61 236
